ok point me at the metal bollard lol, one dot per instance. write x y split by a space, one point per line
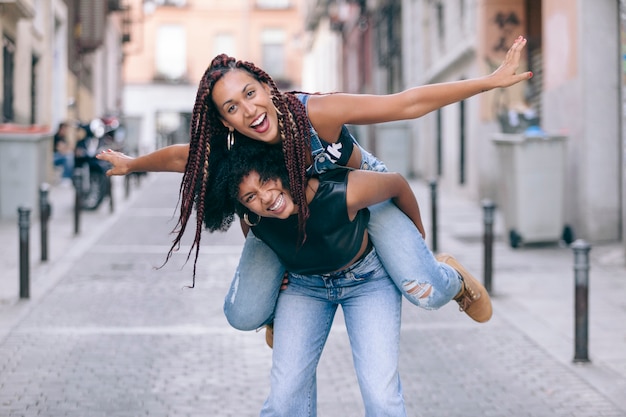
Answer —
24 226
433 209
488 216
110 193
127 185
44 216
77 179
581 307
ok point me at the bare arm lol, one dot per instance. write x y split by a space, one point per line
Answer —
171 158
366 188
329 112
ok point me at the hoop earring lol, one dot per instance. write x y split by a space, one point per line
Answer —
247 220
230 139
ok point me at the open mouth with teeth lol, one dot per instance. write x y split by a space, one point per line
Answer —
260 123
280 201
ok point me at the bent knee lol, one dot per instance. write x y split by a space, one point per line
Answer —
243 320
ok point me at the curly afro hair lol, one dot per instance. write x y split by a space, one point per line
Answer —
227 170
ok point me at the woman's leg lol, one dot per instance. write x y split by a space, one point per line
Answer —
423 280
302 322
252 296
406 257
402 250
372 310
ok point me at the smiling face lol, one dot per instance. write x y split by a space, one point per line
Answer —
245 105
266 198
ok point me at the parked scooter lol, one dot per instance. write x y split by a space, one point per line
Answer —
94 183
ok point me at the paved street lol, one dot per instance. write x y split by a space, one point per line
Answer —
108 333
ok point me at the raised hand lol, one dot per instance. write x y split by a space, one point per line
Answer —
506 74
118 160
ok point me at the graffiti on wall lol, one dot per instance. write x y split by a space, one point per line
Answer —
504 25
508 27
503 21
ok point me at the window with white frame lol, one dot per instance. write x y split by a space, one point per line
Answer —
273 48
272 4
224 43
171 52
150 6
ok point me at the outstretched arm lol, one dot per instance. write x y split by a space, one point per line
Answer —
366 188
171 158
329 112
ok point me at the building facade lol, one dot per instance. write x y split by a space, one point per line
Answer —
574 49
61 61
174 41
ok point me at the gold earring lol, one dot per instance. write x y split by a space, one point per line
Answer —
247 220
230 139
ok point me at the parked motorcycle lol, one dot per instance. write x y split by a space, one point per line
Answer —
94 183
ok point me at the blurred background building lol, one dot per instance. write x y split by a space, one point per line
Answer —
61 61
173 43
575 50
142 60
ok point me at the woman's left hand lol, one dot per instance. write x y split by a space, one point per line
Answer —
506 74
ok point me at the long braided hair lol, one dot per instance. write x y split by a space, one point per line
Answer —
208 140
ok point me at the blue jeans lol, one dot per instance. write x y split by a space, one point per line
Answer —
411 265
66 161
371 306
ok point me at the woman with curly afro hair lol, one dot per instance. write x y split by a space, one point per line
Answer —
251 180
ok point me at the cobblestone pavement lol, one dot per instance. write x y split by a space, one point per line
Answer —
109 333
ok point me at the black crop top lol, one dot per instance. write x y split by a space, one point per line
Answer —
332 239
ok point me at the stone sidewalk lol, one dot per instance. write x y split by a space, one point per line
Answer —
108 333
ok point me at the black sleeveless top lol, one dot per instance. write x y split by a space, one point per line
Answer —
332 239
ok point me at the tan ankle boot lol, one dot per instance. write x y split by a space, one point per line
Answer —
473 298
269 335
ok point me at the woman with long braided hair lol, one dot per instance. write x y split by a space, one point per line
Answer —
236 98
